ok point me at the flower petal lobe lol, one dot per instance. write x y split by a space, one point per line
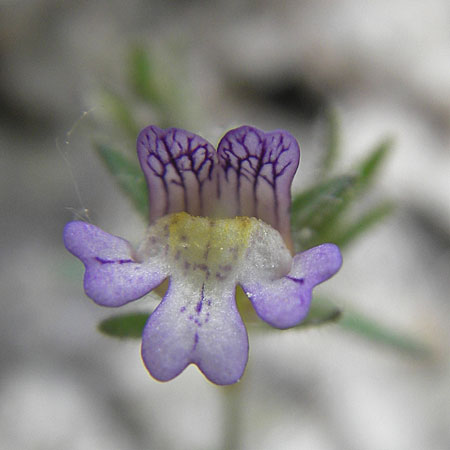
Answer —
285 302
257 171
180 170
113 275
200 325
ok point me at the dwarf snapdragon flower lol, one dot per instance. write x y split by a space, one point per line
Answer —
218 220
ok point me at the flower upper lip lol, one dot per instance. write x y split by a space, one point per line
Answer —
250 174
217 220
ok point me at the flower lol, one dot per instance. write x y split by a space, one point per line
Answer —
218 219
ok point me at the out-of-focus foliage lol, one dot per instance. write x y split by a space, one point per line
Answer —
124 325
131 325
321 213
128 175
328 211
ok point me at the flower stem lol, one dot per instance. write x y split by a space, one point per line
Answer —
232 417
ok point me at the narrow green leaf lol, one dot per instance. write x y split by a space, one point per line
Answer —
364 223
333 141
142 76
312 209
374 331
370 166
128 175
120 113
327 225
123 326
307 204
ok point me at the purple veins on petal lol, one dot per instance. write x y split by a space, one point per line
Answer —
296 280
179 168
112 261
256 176
196 339
113 277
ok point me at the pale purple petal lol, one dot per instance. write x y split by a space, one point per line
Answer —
285 302
113 275
257 171
199 325
180 170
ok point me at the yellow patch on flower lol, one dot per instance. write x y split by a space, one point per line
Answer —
213 246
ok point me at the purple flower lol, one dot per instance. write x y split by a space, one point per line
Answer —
218 219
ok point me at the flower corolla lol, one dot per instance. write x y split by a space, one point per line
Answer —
218 220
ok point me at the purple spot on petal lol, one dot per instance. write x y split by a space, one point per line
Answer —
183 309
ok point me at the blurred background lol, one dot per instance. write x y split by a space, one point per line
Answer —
383 66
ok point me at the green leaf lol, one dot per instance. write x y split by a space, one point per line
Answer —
128 175
364 223
312 209
327 222
333 141
142 76
306 205
374 331
370 166
156 81
125 325
120 113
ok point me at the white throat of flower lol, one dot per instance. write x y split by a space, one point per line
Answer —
207 251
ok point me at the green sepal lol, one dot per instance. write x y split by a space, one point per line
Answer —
128 175
124 326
